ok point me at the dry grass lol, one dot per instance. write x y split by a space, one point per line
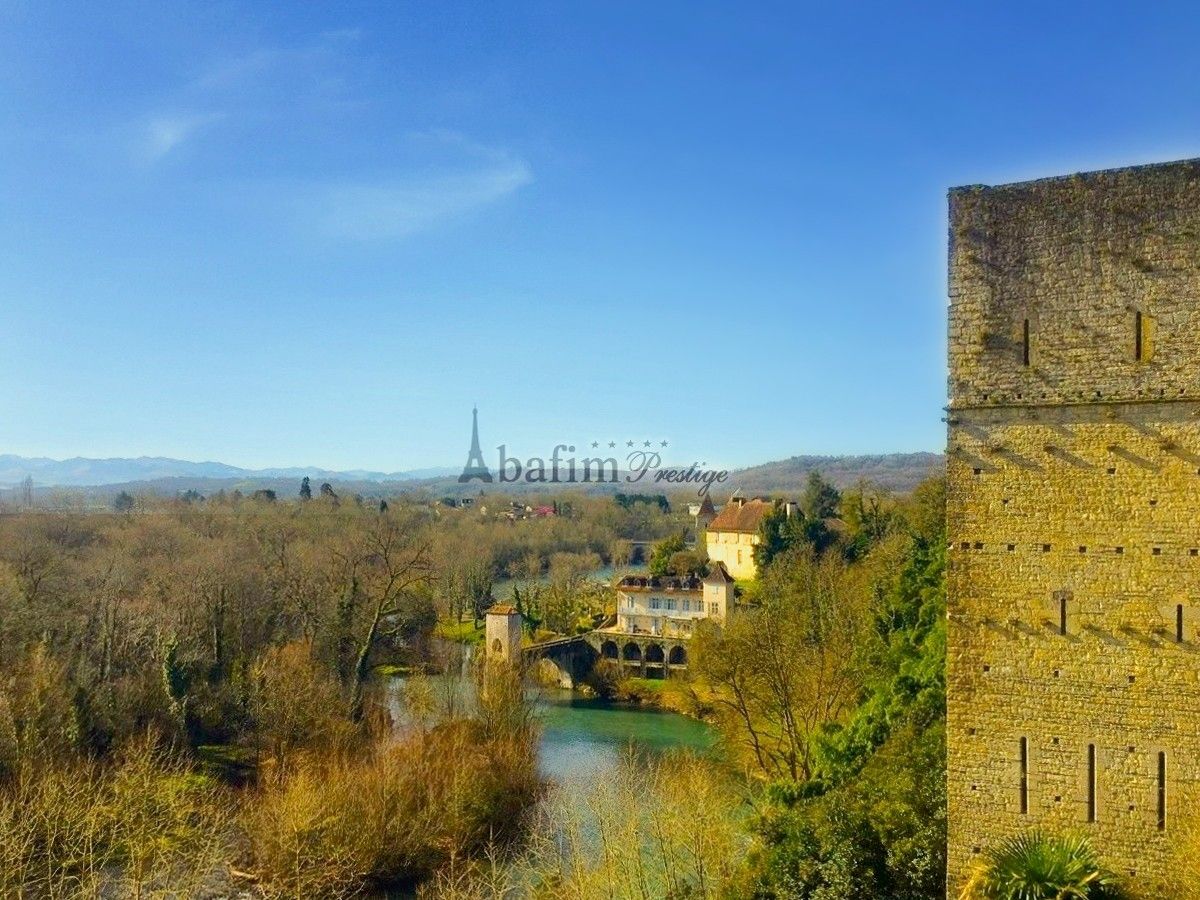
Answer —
396 811
658 828
147 827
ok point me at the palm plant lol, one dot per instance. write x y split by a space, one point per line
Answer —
1036 866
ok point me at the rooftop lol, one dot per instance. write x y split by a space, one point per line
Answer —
743 518
659 583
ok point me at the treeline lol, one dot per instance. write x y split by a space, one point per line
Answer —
188 693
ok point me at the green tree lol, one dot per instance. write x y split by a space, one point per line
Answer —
786 670
660 557
870 516
305 489
123 502
777 533
820 499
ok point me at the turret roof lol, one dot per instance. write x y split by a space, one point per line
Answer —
717 574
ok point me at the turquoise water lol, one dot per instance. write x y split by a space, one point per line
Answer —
581 738
584 738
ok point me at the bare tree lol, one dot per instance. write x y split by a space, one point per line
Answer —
384 565
787 668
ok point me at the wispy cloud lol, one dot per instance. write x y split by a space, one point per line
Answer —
297 62
164 133
400 207
421 179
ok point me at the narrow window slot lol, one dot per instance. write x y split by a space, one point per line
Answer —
1062 615
1024 775
1162 791
1025 349
1179 624
1137 336
1091 783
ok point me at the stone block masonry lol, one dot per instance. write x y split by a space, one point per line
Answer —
1073 664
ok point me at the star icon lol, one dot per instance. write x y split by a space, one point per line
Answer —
629 443
612 443
664 443
645 443
595 443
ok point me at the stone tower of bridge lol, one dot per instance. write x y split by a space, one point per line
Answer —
502 634
1073 671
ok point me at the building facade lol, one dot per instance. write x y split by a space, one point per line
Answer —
732 535
1073 664
670 606
502 634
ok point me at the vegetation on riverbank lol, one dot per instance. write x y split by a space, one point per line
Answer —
193 699
218 668
832 693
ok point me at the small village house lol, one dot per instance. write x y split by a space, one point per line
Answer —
733 534
669 606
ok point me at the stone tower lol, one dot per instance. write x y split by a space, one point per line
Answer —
502 634
1073 671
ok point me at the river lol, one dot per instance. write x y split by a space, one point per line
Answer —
581 737
584 738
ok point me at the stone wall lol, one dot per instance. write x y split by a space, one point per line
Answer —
1073 668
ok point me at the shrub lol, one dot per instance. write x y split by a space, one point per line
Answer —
882 834
295 703
1036 866
146 825
605 678
396 811
656 827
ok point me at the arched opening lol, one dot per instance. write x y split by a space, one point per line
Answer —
632 652
609 650
497 647
677 657
655 662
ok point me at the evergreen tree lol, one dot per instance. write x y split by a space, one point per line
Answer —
820 499
305 489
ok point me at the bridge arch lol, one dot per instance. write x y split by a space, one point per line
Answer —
677 656
654 653
632 652
609 650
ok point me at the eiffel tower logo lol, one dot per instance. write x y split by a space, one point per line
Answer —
475 467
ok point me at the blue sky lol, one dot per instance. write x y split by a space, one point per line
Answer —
316 234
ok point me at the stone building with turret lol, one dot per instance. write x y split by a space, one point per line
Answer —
1073 670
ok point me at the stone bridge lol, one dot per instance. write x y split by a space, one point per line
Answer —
642 655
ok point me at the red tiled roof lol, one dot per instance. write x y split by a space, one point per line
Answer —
744 518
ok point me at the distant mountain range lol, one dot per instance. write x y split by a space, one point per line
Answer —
899 472
83 472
